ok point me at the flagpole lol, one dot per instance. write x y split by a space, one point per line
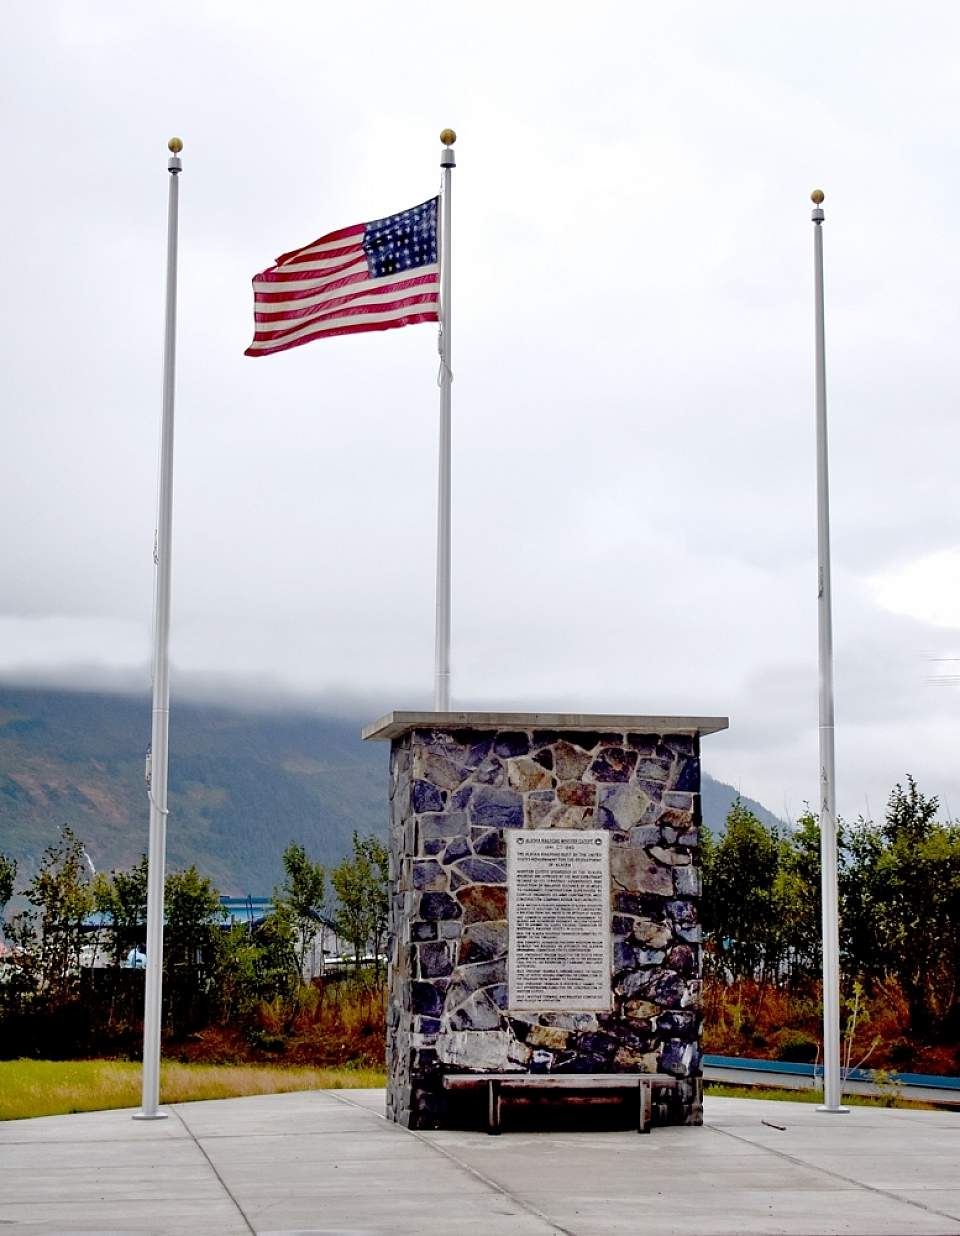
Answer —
828 802
157 762
441 679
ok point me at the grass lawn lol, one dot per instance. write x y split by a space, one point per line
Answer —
56 1087
723 1091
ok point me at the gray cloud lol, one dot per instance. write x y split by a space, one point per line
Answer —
633 471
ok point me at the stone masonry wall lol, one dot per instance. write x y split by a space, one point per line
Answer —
452 795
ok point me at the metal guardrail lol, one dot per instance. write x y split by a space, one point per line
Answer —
742 1071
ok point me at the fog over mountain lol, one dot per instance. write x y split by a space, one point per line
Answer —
244 781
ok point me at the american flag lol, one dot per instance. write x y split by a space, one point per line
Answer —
373 276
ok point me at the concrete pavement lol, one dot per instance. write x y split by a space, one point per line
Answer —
326 1163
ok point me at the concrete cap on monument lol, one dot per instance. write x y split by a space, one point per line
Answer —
396 723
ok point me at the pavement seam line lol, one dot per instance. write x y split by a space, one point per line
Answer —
223 1184
826 1171
471 1171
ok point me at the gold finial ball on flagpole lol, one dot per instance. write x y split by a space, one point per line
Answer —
816 196
174 145
448 137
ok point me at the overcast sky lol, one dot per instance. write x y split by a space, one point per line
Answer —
634 518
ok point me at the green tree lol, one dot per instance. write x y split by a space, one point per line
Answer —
121 896
8 877
351 880
254 967
20 977
194 917
278 969
900 903
63 898
192 949
796 897
302 894
863 948
917 878
361 885
237 977
22 984
740 912
378 860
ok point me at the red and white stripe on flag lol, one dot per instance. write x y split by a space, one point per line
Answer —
373 276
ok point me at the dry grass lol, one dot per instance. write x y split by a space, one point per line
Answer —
747 1019
56 1087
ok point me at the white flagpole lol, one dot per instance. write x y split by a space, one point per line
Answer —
828 803
157 764
441 678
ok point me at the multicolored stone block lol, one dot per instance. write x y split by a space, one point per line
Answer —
453 793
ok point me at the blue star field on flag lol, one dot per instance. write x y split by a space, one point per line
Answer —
402 241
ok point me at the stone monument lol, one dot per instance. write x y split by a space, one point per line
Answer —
544 901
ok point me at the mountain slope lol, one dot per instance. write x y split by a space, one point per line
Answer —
716 798
242 783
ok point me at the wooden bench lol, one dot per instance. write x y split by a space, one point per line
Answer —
499 1085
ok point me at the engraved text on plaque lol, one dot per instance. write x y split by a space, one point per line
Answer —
559 915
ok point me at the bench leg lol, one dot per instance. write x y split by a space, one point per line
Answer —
645 1106
493 1107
